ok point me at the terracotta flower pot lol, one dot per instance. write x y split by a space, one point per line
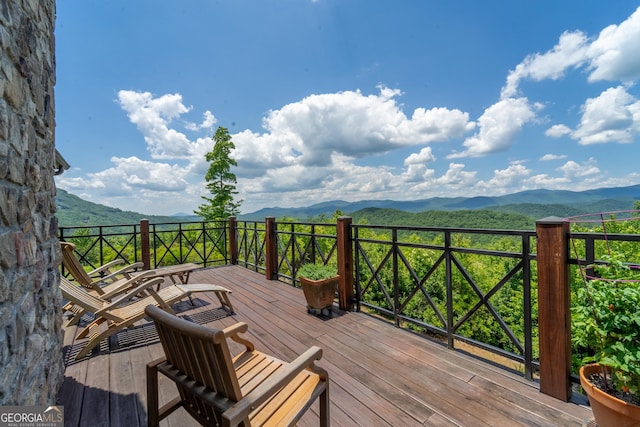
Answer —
608 410
319 293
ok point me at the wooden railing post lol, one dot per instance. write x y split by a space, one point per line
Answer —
271 249
145 247
233 241
345 262
554 318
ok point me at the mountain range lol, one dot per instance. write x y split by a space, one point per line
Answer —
535 204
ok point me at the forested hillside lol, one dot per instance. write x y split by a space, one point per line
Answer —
457 219
74 211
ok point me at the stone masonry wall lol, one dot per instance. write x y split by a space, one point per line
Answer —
31 366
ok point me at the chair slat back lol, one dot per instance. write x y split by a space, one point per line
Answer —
202 354
72 264
79 296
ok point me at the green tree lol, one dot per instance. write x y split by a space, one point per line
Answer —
221 182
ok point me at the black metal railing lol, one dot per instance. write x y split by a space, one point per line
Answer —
303 242
433 280
162 244
251 244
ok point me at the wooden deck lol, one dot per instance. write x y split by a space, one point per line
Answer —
380 375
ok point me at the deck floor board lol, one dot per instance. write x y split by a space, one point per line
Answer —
380 375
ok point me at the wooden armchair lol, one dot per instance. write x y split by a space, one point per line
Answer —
250 389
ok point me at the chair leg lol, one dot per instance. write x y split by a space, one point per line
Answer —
224 300
153 417
325 416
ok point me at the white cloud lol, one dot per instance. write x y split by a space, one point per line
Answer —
614 54
131 175
456 177
569 52
573 171
424 156
505 180
557 131
498 126
313 131
416 164
614 116
207 122
549 157
152 117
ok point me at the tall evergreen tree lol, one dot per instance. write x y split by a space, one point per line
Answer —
221 182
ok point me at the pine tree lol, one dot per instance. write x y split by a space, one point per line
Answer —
221 182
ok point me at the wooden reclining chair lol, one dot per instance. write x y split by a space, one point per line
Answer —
113 316
107 284
250 389
101 280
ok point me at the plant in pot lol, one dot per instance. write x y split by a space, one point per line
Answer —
606 321
319 283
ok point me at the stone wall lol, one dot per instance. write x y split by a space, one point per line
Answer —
31 366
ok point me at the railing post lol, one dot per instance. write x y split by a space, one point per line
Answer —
271 249
144 244
233 241
554 318
345 262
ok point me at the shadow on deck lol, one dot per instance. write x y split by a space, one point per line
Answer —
380 375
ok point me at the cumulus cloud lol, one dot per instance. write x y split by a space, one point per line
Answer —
613 116
424 156
130 175
416 164
557 131
498 126
152 117
207 123
614 54
549 157
571 51
611 56
349 124
574 170
505 180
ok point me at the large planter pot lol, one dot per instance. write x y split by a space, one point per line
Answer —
319 293
608 411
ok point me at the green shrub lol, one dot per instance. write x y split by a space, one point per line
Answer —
317 271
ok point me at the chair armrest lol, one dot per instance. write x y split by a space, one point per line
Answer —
122 272
156 362
126 285
142 288
99 271
233 331
241 409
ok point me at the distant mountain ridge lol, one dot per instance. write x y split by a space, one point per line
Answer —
571 202
73 211
536 204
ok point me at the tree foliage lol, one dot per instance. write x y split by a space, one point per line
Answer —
221 182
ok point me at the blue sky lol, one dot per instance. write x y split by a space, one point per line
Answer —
345 99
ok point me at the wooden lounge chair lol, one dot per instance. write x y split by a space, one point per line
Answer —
122 312
122 287
107 284
215 388
101 280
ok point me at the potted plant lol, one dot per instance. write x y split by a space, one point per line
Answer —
607 321
319 283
